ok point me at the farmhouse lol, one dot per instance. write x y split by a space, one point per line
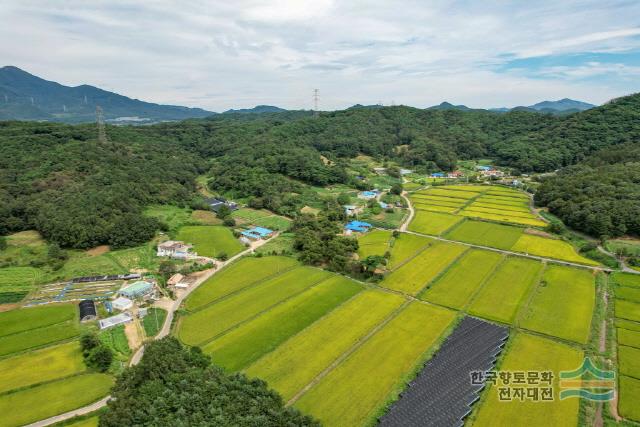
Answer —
357 226
216 203
175 249
455 174
87 310
352 210
139 289
122 304
491 172
437 175
257 233
369 194
112 321
179 281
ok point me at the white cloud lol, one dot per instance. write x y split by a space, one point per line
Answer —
220 55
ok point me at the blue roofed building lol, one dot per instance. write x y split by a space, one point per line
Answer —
437 175
357 226
257 233
484 168
138 289
369 194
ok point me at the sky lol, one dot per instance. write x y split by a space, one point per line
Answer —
236 54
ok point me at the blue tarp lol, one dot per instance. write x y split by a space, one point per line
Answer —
437 175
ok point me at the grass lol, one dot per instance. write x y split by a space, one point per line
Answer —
47 400
457 285
629 397
562 306
433 223
295 363
81 264
413 276
628 337
629 361
24 319
153 321
628 310
283 244
273 223
234 278
375 242
211 241
18 278
354 391
205 217
405 246
86 422
173 216
549 248
247 343
631 247
532 353
486 234
40 366
249 215
205 324
116 339
143 257
501 297
39 337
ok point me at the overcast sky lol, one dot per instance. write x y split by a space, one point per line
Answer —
232 54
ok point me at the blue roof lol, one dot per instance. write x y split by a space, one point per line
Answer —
439 174
484 168
257 232
355 228
359 224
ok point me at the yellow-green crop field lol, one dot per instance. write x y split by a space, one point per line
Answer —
247 343
405 246
297 362
629 397
504 293
628 337
550 248
236 277
434 208
413 276
210 240
626 279
628 293
53 398
562 305
15 321
38 337
628 324
629 361
205 324
375 242
433 223
502 201
40 366
438 200
486 234
351 393
532 353
507 208
455 287
502 217
455 194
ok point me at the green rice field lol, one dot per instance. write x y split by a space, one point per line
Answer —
455 288
562 305
296 362
504 293
486 234
234 278
38 337
390 353
414 276
626 279
210 241
550 248
627 310
629 361
526 353
406 246
433 223
628 337
375 242
629 397
247 343
24 319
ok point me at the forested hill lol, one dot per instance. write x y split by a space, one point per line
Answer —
59 180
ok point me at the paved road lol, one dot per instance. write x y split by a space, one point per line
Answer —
166 329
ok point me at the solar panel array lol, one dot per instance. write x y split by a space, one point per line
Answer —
442 394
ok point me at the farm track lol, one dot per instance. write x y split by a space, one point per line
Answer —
166 329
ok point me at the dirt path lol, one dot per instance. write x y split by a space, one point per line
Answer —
171 307
131 330
623 266
412 212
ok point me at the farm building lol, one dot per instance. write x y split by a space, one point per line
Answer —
216 203
484 168
175 249
138 289
358 226
179 281
491 172
369 194
122 303
438 175
352 210
116 320
455 174
383 205
405 171
87 310
257 233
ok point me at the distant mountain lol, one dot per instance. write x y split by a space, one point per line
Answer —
24 96
448 106
258 109
370 107
562 105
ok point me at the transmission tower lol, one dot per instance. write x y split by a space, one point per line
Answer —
102 132
316 97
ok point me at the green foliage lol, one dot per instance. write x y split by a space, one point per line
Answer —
96 354
146 394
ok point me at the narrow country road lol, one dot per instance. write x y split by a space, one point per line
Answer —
166 329
412 212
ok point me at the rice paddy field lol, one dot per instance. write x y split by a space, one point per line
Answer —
406 246
433 223
532 353
550 248
210 241
486 234
375 242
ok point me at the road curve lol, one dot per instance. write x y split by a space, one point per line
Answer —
166 329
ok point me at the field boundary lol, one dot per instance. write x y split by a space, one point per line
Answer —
442 272
525 307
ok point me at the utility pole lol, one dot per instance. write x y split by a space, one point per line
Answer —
316 96
102 132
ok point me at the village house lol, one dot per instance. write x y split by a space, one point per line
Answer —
175 249
179 281
257 233
216 203
455 174
352 210
369 194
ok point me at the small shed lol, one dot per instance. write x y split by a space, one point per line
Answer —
122 303
175 279
87 310
112 321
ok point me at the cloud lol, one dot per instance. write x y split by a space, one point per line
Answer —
220 55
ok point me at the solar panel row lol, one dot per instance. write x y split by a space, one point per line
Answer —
443 393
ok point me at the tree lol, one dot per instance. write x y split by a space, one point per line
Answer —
3 243
396 189
229 222
223 211
344 199
174 385
100 358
